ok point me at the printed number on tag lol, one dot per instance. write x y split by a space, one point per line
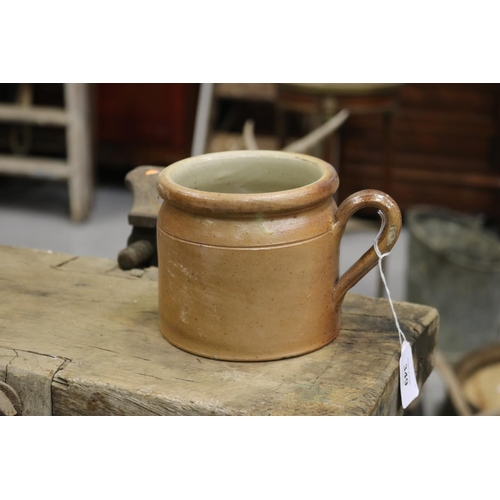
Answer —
408 381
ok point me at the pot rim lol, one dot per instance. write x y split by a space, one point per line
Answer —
295 199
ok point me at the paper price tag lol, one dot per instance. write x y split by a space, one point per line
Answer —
408 381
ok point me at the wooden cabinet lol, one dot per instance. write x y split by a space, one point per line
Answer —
445 148
141 123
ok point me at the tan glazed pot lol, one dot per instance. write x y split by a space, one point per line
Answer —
248 253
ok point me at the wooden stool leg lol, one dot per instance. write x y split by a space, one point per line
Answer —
79 145
204 119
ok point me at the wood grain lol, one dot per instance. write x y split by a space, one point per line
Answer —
99 325
446 149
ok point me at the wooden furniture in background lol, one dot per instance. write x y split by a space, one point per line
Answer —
203 118
245 94
144 123
472 383
445 145
320 101
77 169
446 137
81 337
446 149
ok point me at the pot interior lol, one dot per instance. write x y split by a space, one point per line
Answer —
247 174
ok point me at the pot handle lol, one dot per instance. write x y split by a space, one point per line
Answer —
389 236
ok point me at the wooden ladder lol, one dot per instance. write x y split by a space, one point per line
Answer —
76 118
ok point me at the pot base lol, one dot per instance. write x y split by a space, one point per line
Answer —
276 356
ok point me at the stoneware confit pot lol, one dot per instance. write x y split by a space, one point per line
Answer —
248 253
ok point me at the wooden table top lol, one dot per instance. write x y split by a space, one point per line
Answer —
79 336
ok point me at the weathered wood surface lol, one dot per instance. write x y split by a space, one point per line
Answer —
30 374
93 328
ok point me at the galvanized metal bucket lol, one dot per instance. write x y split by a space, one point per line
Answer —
454 266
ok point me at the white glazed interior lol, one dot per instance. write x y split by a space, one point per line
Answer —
248 182
249 175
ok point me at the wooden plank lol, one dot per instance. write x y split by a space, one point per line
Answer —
462 198
6 356
428 177
36 115
434 161
106 326
34 167
434 121
471 180
424 144
473 97
226 141
30 375
265 92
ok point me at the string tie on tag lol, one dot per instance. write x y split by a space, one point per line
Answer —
380 256
408 382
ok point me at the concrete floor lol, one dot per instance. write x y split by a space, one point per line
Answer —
34 214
